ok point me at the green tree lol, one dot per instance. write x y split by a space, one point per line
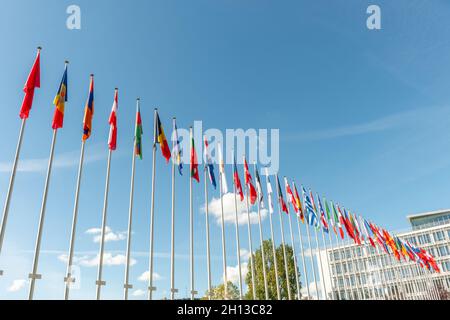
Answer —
270 272
218 292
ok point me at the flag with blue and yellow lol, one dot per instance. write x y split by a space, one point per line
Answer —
89 111
59 102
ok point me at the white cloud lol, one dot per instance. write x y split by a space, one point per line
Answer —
245 254
312 290
63 160
215 210
146 276
138 293
109 259
17 285
110 235
233 272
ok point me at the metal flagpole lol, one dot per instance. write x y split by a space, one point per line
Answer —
208 257
191 229
274 251
99 281
354 262
34 275
253 267
11 186
282 241
329 266
321 267
303 257
263 259
297 280
366 251
312 262
347 262
346 290
337 295
238 245
222 221
127 285
172 244
151 288
68 279
384 284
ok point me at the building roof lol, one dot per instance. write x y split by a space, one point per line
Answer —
427 214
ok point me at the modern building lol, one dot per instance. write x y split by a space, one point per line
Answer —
363 272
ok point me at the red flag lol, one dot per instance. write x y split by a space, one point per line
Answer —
237 182
112 140
248 182
194 161
33 81
290 195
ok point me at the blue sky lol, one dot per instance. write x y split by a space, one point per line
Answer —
363 118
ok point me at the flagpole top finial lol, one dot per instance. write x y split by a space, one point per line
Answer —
174 118
116 89
66 62
138 99
39 48
156 109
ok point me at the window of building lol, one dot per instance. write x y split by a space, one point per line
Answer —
443 251
446 266
424 239
439 236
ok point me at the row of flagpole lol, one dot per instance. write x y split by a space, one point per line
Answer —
249 194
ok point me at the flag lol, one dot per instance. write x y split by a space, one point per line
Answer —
177 151
194 161
237 182
209 165
337 220
112 140
354 226
259 187
347 224
322 215
89 111
329 217
33 82
290 195
309 209
299 204
269 191
60 101
369 232
249 183
312 201
281 201
138 134
223 176
161 139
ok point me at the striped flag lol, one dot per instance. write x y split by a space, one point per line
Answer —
194 161
281 201
138 132
323 219
177 151
88 111
237 182
290 195
223 176
33 82
59 102
259 186
112 140
299 204
309 209
209 165
161 139
337 220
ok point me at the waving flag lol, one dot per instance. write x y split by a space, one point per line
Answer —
249 183
59 102
309 209
281 201
369 232
290 195
112 140
194 161
337 220
223 176
209 165
33 82
329 217
177 151
299 204
354 226
269 191
138 133
161 139
312 201
89 111
347 224
237 182
259 187
322 215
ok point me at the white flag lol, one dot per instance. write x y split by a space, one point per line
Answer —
222 170
269 192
